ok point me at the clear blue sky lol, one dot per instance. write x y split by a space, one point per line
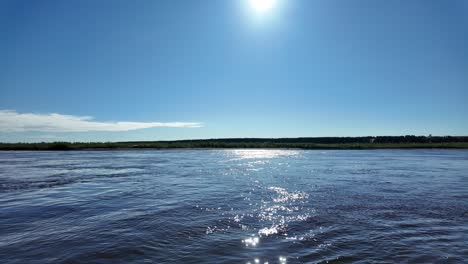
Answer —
303 68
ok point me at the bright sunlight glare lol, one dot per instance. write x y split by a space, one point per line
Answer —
262 6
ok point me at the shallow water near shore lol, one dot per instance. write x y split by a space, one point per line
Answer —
234 206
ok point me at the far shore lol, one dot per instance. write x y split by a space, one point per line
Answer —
322 143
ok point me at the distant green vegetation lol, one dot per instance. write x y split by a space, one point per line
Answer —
387 142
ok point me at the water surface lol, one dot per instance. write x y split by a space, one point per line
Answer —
234 206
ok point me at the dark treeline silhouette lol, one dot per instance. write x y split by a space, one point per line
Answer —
380 142
341 140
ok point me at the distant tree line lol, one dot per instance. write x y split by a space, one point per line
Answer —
337 140
379 142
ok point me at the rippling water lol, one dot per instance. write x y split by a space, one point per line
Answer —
234 206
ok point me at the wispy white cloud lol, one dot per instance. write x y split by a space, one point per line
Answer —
12 121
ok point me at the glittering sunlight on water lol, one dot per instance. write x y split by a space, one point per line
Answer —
260 153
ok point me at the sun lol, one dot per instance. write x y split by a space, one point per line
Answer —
262 6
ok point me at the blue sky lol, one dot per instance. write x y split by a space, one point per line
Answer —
113 70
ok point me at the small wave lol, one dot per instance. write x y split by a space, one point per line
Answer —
285 196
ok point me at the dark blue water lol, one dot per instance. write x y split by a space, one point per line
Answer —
234 206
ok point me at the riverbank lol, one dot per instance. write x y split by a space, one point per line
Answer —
405 142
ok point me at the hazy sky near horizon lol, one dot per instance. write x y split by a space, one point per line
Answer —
113 70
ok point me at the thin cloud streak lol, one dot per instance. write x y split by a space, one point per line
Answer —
12 121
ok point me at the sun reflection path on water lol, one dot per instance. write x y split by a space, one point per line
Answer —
240 154
281 259
276 210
